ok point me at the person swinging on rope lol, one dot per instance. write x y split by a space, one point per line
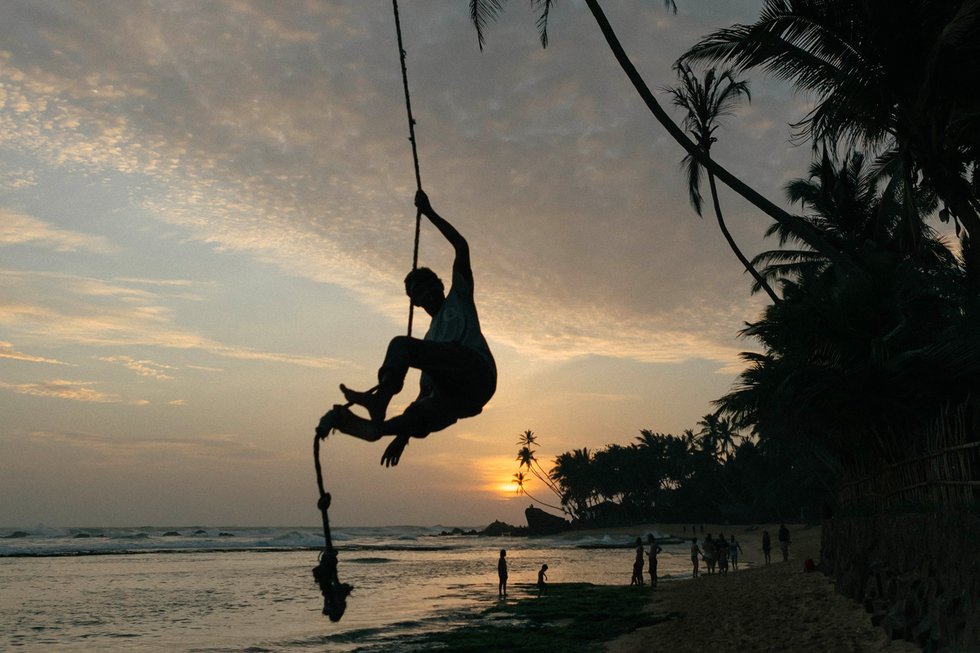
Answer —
458 373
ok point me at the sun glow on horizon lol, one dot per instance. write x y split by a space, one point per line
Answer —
492 471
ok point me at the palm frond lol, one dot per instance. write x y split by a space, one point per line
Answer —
483 12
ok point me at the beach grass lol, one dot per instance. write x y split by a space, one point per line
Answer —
569 617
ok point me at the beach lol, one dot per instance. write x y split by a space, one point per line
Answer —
224 589
218 590
778 607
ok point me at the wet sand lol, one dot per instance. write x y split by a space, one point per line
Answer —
777 607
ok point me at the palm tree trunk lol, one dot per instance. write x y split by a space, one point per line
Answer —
805 231
731 242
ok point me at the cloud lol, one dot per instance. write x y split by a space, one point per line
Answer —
7 351
17 179
144 367
283 131
98 313
19 229
217 446
62 389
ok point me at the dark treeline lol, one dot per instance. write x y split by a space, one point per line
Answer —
710 475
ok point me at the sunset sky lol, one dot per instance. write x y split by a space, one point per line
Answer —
206 215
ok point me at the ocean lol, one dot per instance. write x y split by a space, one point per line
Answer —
204 589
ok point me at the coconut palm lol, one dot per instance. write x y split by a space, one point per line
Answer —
850 362
527 459
860 211
705 103
521 481
483 12
898 77
575 475
718 437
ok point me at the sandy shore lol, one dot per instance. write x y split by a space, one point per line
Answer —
764 608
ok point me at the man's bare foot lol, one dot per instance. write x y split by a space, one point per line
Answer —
375 403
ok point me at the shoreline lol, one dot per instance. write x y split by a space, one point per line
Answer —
776 607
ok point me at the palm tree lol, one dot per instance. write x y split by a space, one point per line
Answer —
575 475
484 11
527 460
521 480
853 364
859 210
705 103
718 436
897 77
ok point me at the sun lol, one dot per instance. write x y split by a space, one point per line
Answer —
497 475
507 488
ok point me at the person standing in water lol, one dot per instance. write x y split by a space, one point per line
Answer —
502 574
654 550
542 578
637 578
695 556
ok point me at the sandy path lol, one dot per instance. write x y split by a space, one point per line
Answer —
763 608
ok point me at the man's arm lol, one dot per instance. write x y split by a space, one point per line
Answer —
461 264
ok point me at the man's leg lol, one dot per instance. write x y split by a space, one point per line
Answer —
404 352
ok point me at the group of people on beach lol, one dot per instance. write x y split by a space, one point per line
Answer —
638 564
719 554
716 553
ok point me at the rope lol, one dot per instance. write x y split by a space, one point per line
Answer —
334 592
415 152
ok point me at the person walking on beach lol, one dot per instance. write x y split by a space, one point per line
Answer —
733 550
459 375
637 578
542 577
709 553
766 547
654 550
695 556
502 574
784 541
721 553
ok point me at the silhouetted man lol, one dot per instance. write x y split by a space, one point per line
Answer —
459 375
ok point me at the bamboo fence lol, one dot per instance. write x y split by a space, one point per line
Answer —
944 472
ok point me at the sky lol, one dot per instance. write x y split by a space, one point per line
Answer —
206 213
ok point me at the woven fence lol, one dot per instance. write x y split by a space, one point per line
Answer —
944 471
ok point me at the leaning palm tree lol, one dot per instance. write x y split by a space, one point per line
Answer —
882 74
520 479
705 103
527 459
484 11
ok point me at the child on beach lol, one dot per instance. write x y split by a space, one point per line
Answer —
695 552
766 547
542 577
459 375
654 550
502 574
